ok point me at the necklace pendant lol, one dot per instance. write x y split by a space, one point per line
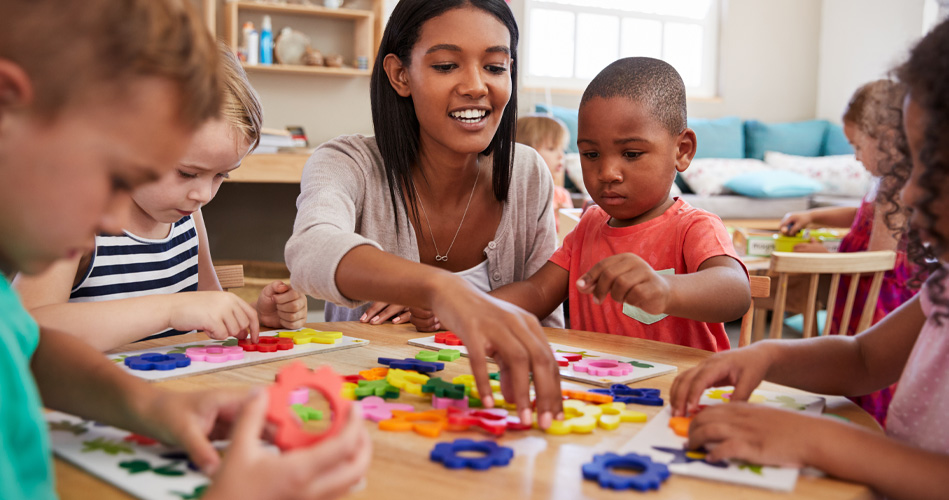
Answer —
441 258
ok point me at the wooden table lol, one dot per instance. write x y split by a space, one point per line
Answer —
544 466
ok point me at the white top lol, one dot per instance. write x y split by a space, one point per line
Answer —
477 276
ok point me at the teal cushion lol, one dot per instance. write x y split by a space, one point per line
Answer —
568 116
793 138
720 138
773 184
796 322
835 142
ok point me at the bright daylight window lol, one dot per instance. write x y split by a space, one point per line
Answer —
570 41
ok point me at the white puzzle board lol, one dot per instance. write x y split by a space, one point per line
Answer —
250 357
102 450
658 433
641 369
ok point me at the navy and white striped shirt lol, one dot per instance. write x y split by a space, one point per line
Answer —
126 266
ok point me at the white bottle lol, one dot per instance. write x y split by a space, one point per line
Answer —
253 46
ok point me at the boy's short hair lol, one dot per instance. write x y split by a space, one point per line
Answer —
241 105
537 129
72 49
649 81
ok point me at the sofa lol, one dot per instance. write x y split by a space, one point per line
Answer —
748 169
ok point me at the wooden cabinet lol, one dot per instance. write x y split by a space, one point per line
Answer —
364 24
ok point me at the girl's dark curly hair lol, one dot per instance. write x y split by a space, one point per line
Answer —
926 76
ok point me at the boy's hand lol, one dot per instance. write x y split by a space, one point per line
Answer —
794 222
424 320
326 470
219 314
628 279
743 368
758 434
280 306
380 312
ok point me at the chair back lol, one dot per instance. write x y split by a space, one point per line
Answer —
784 264
230 276
760 288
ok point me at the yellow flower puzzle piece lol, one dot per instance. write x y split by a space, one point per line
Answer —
348 391
725 395
308 335
614 413
470 388
407 380
582 417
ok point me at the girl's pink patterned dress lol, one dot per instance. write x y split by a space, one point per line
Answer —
893 293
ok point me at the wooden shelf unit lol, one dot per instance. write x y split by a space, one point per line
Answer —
367 33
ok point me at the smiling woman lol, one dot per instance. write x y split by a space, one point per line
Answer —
439 207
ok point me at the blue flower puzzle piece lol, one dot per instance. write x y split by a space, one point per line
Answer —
412 364
625 394
156 361
651 474
494 455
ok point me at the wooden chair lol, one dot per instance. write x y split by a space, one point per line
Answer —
760 288
784 264
231 276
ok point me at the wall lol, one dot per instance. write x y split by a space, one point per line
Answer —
767 69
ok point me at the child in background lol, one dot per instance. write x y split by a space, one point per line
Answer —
873 123
157 274
548 136
78 130
910 345
641 263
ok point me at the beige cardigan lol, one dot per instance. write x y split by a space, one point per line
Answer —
344 202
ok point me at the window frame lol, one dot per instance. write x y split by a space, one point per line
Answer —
710 55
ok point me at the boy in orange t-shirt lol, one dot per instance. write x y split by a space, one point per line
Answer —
640 263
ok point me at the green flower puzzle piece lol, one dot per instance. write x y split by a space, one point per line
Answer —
107 446
67 426
789 403
442 355
138 466
194 495
443 389
583 354
306 413
380 388
637 364
753 468
495 376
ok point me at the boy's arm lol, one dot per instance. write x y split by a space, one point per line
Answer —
207 278
716 293
540 294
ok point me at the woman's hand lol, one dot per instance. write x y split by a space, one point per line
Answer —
424 320
380 312
512 337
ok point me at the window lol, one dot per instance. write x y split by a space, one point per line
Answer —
570 41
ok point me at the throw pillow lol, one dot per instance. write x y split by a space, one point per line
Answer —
840 175
796 138
720 138
707 176
568 116
773 184
835 142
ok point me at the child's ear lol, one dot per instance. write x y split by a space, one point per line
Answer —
686 144
398 74
16 89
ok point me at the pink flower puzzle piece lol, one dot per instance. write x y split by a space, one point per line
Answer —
603 367
215 354
377 409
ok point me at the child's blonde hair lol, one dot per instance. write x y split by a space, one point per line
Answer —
537 130
241 107
75 49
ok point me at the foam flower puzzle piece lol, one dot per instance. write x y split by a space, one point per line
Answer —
309 335
266 344
215 354
495 420
376 373
680 425
379 388
590 397
650 477
449 454
685 455
348 391
289 433
615 413
305 413
409 381
443 389
726 395
429 423
156 361
565 358
447 338
603 367
625 394
471 387
377 409
412 364
579 418
445 403
441 355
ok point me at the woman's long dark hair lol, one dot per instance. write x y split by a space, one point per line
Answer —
926 75
393 117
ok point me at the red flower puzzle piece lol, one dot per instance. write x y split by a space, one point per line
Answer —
447 338
266 344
